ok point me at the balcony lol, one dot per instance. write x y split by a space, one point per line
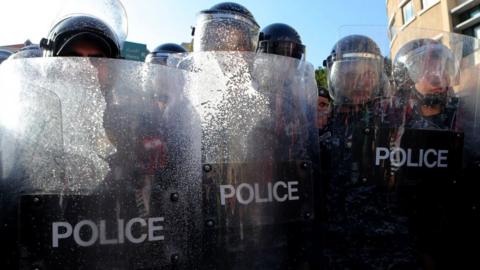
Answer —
466 24
464 6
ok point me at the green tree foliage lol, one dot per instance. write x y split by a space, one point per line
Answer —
321 76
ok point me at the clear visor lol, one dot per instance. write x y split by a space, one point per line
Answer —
111 12
431 62
225 32
355 81
284 48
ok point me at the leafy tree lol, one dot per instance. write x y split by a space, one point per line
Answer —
321 76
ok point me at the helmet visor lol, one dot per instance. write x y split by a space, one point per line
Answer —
284 48
355 81
87 45
431 62
159 58
225 32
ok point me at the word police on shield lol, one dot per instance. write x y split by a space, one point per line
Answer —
247 193
64 230
430 158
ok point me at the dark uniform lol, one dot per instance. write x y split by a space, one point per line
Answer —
363 225
441 204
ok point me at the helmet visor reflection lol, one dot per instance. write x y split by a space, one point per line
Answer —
157 58
431 60
225 33
355 79
101 46
284 48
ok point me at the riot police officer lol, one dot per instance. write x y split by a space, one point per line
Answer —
237 138
424 70
133 131
281 39
225 27
362 228
224 41
88 36
324 108
160 54
81 35
72 36
102 118
77 35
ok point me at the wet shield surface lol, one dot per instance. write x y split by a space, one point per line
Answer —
123 165
100 165
258 142
397 152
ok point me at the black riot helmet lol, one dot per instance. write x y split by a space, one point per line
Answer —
355 70
80 28
225 27
425 70
4 54
160 54
281 39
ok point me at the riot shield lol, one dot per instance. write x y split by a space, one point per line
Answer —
258 151
107 157
396 183
433 75
31 155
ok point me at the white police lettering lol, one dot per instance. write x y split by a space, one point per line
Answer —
430 158
251 193
86 232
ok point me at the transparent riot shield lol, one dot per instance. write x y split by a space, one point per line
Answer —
436 151
31 152
400 156
258 154
106 165
360 226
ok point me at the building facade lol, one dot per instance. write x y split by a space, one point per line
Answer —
406 17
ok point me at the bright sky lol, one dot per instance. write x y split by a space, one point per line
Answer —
154 22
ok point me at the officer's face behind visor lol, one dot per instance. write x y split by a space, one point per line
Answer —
225 32
85 45
432 68
356 80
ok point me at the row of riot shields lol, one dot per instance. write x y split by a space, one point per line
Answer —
113 164
213 162
399 170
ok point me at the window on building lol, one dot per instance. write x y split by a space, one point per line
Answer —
428 3
407 10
